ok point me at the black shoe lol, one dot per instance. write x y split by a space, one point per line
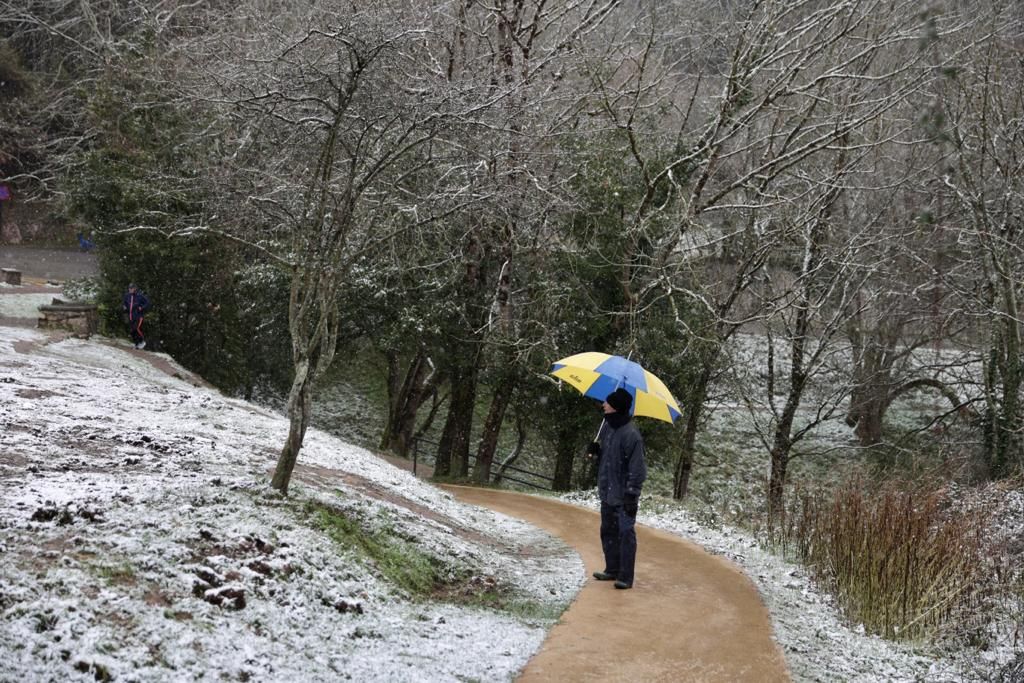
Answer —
623 585
604 576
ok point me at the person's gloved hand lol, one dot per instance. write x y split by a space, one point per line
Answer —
631 503
594 449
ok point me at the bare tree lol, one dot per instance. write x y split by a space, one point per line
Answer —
516 57
62 64
812 312
768 93
982 124
326 114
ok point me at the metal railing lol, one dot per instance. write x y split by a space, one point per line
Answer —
548 484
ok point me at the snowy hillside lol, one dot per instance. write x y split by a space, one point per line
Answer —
137 540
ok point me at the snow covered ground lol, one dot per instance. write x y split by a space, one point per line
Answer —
138 541
22 305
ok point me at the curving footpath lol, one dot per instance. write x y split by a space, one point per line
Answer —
690 616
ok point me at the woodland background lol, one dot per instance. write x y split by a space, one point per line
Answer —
804 216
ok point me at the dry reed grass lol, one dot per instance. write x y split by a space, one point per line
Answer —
905 565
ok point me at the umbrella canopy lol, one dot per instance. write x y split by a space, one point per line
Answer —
597 374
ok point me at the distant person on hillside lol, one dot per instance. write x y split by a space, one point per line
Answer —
621 471
84 243
135 305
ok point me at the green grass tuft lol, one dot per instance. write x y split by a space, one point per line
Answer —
398 560
421 575
116 574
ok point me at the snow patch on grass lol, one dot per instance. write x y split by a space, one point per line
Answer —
138 541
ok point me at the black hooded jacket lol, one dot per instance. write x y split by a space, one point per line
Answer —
622 468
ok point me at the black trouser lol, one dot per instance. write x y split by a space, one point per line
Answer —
135 329
618 540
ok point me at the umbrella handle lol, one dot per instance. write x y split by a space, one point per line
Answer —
597 438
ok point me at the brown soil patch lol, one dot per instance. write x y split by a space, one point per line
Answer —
154 597
34 393
14 461
57 544
26 347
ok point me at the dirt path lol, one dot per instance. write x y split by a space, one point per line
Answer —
690 616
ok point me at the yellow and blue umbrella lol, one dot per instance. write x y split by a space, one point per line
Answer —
598 374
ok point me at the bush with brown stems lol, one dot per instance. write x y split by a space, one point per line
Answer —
906 565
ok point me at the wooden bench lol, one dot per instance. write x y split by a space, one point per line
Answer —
11 276
80 318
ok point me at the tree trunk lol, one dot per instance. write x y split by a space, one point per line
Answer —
781 446
443 457
805 306
299 410
565 458
436 401
1002 387
1009 421
1008 455
566 447
782 441
777 479
462 406
588 469
405 399
869 423
393 386
492 428
870 393
514 455
453 451
694 402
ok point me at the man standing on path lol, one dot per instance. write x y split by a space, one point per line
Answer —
135 304
621 471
